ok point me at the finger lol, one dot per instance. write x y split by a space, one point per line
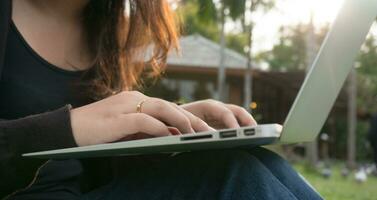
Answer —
174 131
228 118
164 111
197 124
244 117
143 123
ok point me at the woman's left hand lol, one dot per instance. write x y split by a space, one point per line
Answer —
220 115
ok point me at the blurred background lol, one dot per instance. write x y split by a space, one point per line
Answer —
255 53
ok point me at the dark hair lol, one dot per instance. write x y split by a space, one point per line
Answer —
120 33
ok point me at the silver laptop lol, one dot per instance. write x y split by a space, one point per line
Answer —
305 119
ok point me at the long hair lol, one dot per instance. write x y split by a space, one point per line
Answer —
120 35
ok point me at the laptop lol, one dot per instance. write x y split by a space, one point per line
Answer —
306 117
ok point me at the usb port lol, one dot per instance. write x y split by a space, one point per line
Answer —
228 134
248 132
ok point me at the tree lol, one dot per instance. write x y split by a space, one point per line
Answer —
366 67
254 5
209 14
289 54
204 23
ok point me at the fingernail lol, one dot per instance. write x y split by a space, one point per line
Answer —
174 131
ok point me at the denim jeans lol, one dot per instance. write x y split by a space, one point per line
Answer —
239 174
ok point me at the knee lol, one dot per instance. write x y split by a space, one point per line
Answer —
266 155
228 155
257 157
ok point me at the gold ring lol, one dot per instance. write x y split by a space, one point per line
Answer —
139 105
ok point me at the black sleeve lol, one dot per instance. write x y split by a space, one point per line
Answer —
40 132
50 130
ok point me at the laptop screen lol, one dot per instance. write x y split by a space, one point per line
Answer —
329 70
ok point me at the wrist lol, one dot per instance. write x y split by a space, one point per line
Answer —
74 116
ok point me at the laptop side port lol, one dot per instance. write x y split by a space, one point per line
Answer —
195 137
228 134
249 131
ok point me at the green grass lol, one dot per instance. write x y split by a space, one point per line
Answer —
338 187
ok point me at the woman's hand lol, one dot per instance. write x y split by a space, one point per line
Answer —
116 118
220 115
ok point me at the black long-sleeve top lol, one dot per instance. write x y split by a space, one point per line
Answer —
24 126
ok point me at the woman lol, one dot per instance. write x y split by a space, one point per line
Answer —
69 74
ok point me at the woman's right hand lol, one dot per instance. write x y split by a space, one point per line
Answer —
115 118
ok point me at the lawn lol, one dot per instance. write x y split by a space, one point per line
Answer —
338 187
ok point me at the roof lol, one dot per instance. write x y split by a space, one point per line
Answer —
198 51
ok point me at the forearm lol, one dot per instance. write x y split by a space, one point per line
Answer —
40 132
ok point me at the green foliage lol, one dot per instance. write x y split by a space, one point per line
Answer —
290 52
367 76
363 148
202 16
236 8
207 11
192 23
338 139
262 4
237 42
368 57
